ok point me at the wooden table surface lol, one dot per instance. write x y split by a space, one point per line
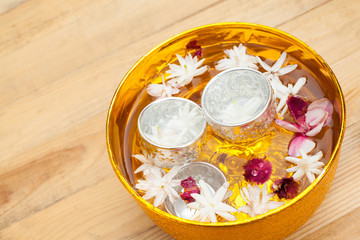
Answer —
60 63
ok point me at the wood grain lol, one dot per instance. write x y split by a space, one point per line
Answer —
60 63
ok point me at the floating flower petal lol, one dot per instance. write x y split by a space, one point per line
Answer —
237 57
298 107
161 90
318 115
148 165
300 142
284 93
185 72
209 205
273 73
276 70
306 165
290 126
258 200
190 187
159 187
323 104
309 121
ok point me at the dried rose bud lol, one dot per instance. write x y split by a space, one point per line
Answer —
190 187
257 170
286 188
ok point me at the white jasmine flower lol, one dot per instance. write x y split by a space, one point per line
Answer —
159 187
275 85
237 58
237 112
161 90
186 124
183 127
308 165
258 200
165 135
284 92
208 205
276 70
148 165
185 72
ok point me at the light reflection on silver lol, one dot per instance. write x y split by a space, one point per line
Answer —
197 170
239 104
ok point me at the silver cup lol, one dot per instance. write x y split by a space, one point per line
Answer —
172 131
239 104
198 171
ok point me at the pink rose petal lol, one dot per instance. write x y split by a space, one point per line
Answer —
325 105
290 126
315 116
315 130
320 124
300 142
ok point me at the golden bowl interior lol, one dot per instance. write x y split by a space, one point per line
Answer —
126 103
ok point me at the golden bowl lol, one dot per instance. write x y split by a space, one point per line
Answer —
276 224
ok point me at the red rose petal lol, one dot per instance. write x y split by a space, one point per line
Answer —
190 187
297 107
299 141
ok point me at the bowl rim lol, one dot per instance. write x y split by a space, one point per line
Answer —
319 178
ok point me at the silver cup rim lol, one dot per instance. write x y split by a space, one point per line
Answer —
168 99
242 123
203 163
